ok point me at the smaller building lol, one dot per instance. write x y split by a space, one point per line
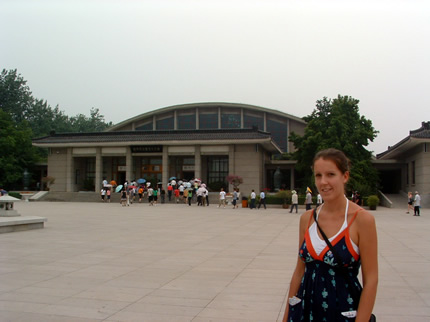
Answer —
405 166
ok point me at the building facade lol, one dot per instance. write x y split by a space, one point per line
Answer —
203 140
405 166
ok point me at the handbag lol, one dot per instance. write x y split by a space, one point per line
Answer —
343 271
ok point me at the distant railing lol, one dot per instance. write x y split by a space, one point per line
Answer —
384 200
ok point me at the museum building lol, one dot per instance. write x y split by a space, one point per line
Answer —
203 140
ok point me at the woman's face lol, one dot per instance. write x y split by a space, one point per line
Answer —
329 180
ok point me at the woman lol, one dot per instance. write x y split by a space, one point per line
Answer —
410 202
319 289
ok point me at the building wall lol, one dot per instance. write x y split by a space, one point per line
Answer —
248 165
422 174
297 128
57 169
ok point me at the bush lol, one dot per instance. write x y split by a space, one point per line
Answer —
285 196
15 194
274 200
373 202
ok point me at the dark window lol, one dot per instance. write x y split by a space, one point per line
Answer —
413 172
230 121
166 124
186 122
145 127
217 169
208 121
407 173
251 121
279 132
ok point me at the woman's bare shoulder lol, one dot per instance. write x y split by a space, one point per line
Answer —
305 217
363 216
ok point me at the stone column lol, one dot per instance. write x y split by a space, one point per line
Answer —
292 179
197 162
165 173
231 164
128 165
69 171
99 170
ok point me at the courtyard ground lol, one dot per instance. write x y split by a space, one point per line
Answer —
104 262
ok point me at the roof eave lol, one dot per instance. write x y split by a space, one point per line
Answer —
266 142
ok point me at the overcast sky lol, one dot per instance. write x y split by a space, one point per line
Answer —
131 57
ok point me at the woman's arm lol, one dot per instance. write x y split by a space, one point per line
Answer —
368 244
300 266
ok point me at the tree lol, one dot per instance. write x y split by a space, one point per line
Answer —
17 153
43 119
94 123
337 124
234 180
15 95
23 117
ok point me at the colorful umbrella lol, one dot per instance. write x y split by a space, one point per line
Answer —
141 180
119 188
172 178
113 183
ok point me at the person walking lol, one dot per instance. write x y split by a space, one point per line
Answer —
169 191
108 193
190 195
221 198
103 194
155 194
319 200
335 240
417 204
308 200
207 197
123 199
150 196
410 202
262 200
253 196
294 201
140 193
235 197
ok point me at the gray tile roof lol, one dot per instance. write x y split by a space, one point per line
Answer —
422 133
148 136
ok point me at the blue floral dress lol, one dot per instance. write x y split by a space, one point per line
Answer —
324 290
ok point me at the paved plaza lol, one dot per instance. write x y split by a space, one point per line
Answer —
104 262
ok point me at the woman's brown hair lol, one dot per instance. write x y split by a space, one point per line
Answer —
338 157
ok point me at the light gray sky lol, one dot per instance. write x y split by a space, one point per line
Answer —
130 57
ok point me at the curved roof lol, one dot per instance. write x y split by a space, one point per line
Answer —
205 105
415 137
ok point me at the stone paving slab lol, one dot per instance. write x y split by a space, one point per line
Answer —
104 262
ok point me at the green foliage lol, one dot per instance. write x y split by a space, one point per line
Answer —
23 117
15 194
337 124
373 201
275 200
15 95
17 153
17 100
284 195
